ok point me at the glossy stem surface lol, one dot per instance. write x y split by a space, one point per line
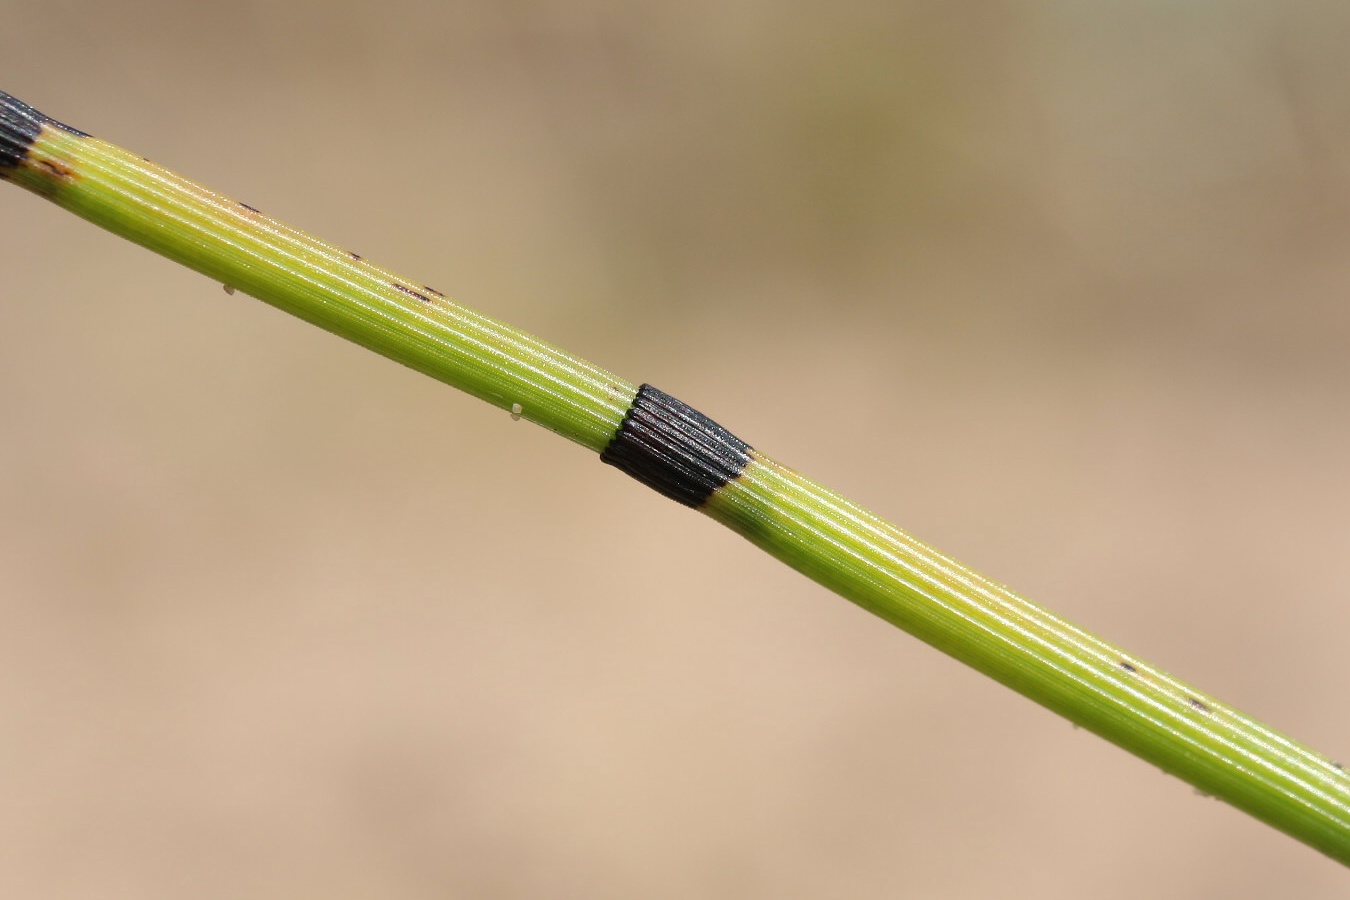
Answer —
852 552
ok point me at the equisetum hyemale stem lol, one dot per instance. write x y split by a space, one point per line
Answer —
686 456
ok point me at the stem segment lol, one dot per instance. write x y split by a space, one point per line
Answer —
693 460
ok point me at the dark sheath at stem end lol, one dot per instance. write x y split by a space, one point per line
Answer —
20 126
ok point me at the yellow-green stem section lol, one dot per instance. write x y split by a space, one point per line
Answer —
325 285
1100 687
845 548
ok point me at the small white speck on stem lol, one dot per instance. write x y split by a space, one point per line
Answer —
516 410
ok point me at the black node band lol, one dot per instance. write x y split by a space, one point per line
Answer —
20 125
675 449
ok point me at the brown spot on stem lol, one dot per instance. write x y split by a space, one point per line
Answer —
1127 667
1199 705
354 255
57 170
410 292
427 287
252 209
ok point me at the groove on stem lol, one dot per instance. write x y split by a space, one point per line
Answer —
688 457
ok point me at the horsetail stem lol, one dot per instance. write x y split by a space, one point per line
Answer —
686 456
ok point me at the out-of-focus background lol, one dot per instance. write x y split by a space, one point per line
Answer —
1059 287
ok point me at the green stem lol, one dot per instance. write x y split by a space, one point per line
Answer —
861 557
333 288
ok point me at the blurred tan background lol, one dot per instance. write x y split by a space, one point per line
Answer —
1059 287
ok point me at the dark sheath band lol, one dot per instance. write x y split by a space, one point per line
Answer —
675 449
20 125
